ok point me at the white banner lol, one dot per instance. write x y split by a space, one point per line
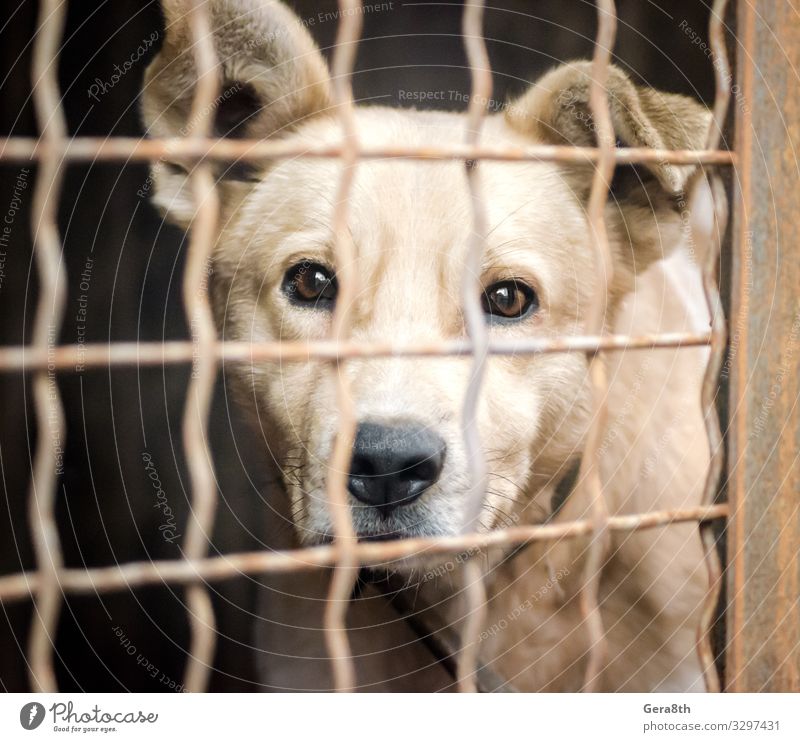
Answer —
400 717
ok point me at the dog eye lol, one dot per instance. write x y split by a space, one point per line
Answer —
310 284
509 300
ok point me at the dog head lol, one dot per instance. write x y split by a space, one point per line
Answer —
409 223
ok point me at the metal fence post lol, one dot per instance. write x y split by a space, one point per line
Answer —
764 464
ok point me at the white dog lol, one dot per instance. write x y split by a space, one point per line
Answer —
275 279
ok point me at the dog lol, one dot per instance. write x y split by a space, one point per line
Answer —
274 279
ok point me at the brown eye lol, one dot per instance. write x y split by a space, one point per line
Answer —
509 301
310 284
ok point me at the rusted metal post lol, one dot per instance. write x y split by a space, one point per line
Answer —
764 542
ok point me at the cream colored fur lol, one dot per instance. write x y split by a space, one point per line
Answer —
410 223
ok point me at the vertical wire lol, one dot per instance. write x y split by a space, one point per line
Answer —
481 92
202 237
345 572
590 474
47 324
712 236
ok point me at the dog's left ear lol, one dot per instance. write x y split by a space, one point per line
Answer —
648 202
556 111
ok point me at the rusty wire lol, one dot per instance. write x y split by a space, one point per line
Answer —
590 472
47 325
89 149
228 566
480 95
202 238
345 572
53 148
27 358
711 235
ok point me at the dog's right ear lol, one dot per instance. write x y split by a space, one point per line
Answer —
273 78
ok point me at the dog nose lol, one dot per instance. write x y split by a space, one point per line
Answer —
393 466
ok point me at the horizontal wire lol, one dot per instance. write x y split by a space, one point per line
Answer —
21 585
96 149
78 357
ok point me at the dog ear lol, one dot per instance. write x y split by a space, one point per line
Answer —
556 111
273 78
647 213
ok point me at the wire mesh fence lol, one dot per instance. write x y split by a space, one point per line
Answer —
43 358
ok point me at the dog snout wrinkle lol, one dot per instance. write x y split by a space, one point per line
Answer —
393 466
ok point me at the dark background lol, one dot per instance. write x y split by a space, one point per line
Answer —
106 500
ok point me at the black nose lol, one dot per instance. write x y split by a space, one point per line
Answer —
393 466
